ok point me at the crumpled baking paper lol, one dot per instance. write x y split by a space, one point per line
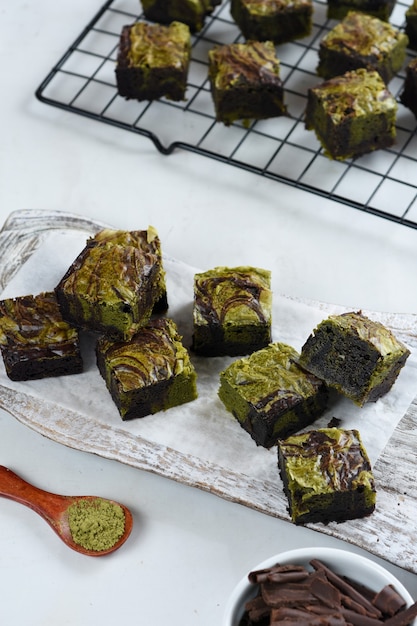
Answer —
202 428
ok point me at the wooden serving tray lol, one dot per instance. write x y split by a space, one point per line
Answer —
157 444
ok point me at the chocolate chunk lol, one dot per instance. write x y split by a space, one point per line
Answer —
357 619
279 573
325 591
403 618
257 608
282 576
346 588
294 596
389 601
305 618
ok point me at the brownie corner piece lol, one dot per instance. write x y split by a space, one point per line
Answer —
358 357
147 242
338 9
245 82
279 21
112 286
327 476
231 311
153 61
36 342
362 40
270 395
352 114
151 372
190 12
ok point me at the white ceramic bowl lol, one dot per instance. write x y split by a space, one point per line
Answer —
343 562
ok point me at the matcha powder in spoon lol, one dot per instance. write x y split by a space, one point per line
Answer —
96 524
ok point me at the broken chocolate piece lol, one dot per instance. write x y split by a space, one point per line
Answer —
279 573
294 595
403 618
356 619
346 588
325 591
290 594
257 609
304 618
389 601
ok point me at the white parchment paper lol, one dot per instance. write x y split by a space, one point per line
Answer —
202 428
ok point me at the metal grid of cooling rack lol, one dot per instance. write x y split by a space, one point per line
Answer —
383 183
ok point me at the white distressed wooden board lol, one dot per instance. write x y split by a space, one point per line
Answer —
388 533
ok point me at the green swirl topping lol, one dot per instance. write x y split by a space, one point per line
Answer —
232 295
110 273
270 7
247 63
147 241
252 376
154 45
154 354
35 321
357 93
368 330
191 12
369 36
326 460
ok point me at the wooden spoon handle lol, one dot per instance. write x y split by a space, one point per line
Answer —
47 504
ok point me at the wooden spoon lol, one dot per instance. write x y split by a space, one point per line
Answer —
54 509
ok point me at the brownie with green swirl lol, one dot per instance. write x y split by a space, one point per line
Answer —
355 355
146 241
327 476
245 82
35 341
231 311
153 61
114 284
361 40
150 373
352 114
270 395
279 21
338 9
190 12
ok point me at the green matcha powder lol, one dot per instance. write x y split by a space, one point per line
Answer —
96 524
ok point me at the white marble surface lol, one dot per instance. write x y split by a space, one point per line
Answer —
188 548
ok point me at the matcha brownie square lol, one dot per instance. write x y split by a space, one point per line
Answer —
146 241
278 21
111 287
357 356
153 61
411 25
352 114
338 9
361 40
150 373
190 12
245 82
231 311
327 476
35 340
408 96
270 395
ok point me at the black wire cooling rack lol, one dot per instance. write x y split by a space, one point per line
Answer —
383 183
